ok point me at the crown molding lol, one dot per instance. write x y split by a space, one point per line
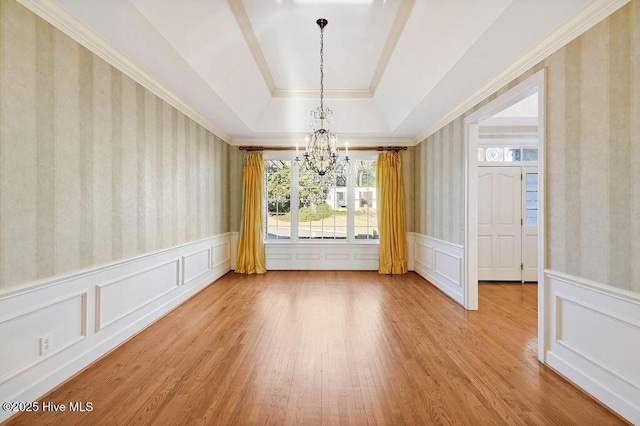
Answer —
240 13
400 21
292 141
328 93
578 24
66 22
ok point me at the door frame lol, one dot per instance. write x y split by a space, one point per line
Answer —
533 84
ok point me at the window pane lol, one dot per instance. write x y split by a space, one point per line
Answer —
366 233
530 154
532 181
277 200
532 217
337 232
365 220
532 199
512 154
494 154
322 212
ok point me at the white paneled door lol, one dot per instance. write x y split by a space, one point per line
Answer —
499 224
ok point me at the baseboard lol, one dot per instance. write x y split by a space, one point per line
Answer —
91 312
594 339
441 263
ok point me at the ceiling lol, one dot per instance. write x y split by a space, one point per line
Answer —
519 119
393 68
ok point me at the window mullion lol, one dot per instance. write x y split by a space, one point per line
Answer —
351 195
294 196
265 206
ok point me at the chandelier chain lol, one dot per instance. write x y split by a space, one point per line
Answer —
321 72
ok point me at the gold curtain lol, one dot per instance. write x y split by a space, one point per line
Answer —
251 256
391 220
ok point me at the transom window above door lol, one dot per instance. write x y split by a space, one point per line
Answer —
501 154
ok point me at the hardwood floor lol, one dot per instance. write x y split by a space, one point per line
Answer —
330 348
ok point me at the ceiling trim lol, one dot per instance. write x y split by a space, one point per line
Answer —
578 24
328 93
64 21
292 141
400 21
240 13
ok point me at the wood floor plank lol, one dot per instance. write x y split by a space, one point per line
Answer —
300 347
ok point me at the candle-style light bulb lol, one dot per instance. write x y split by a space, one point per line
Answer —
297 150
346 147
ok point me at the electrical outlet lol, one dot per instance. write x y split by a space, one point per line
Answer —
46 343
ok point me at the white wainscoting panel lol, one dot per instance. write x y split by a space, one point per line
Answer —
120 297
195 264
20 332
321 256
594 339
220 254
90 312
441 263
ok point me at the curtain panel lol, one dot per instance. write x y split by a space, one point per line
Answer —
391 214
251 256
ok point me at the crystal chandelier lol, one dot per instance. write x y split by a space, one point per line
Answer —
321 155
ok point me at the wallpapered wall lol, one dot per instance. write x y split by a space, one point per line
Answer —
439 184
408 173
93 167
592 159
236 162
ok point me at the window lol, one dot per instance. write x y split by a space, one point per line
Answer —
366 221
506 154
277 175
341 210
320 216
531 201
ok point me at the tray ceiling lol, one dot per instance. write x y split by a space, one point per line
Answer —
393 68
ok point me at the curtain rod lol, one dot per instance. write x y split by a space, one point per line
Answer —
291 148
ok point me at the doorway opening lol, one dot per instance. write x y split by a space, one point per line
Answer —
508 194
504 238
